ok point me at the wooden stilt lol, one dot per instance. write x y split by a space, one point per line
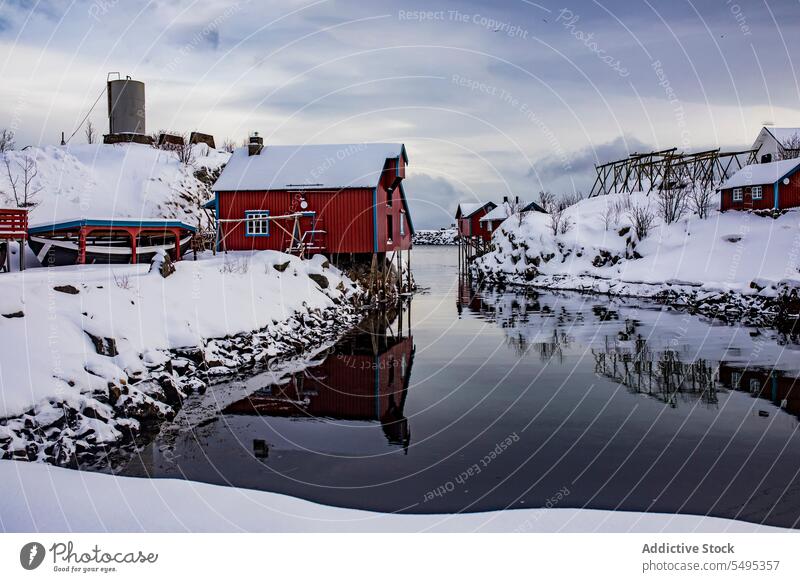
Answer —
82 246
408 268
22 254
134 255
399 272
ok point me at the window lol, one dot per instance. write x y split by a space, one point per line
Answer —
256 223
402 225
389 227
737 194
489 225
389 194
755 385
757 193
736 379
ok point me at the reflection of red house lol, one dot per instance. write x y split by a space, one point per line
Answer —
354 383
345 198
468 216
781 390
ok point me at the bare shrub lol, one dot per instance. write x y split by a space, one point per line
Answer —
229 145
701 201
183 151
608 216
238 266
21 181
642 220
546 200
123 281
673 203
90 132
7 142
790 148
570 199
559 222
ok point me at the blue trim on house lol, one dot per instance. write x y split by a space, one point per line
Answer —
143 223
776 193
375 219
252 235
408 212
216 220
211 204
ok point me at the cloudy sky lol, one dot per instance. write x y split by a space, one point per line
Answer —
490 98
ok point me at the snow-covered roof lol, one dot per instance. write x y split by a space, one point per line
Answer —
308 166
501 212
469 208
783 133
757 174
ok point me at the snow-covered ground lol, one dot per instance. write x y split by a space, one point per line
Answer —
41 498
121 181
79 346
732 252
442 236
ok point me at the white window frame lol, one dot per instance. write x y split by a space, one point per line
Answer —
755 385
757 193
256 223
402 225
737 195
736 380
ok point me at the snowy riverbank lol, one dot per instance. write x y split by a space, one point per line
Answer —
732 265
90 354
41 498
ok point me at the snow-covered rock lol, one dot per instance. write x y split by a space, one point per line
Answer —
442 236
120 181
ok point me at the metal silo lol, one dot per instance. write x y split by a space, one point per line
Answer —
126 106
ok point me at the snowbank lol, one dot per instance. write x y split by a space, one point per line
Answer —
733 252
41 498
442 236
121 180
79 346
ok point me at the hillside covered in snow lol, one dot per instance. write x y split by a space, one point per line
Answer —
441 236
105 181
597 248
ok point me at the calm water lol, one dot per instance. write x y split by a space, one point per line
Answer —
471 402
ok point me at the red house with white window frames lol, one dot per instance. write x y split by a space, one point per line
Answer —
339 198
763 186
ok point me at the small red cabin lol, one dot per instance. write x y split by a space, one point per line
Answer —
763 186
311 199
468 216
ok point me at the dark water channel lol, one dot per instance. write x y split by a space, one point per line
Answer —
478 401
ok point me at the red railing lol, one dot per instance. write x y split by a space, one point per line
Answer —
13 223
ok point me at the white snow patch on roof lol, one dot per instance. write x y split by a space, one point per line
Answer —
502 212
756 174
308 166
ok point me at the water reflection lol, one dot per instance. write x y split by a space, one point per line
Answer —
364 378
774 386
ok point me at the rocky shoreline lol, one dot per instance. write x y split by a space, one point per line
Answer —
81 431
779 310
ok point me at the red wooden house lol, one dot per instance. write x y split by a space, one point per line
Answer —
310 199
468 216
763 186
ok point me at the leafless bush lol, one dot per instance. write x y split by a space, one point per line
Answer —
790 148
642 220
701 201
229 145
546 200
609 215
7 142
673 203
90 132
570 199
123 281
184 151
21 181
559 222
238 266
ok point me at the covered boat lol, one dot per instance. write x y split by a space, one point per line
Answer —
108 240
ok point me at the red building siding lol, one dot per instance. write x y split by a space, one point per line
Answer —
471 226
348 217
788 196
747 203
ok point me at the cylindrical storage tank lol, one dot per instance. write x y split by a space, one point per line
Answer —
126 106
